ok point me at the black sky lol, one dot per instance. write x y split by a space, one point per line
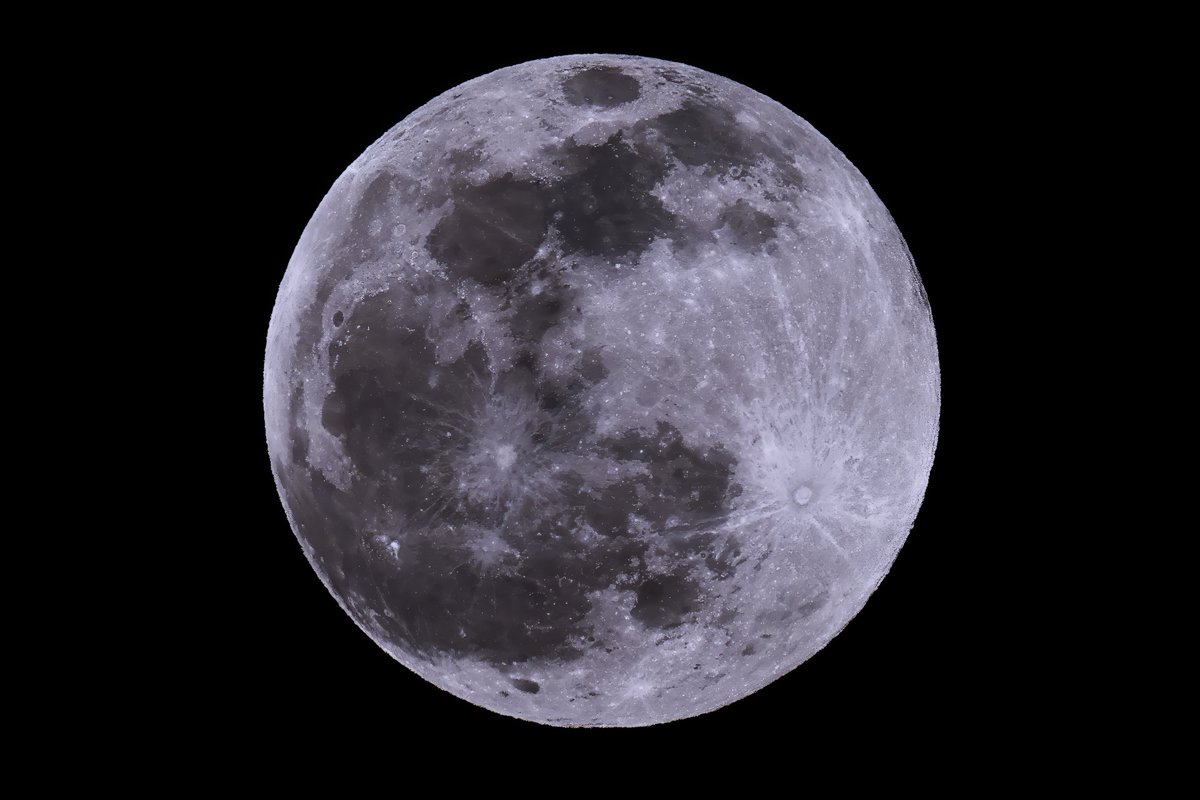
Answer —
938 647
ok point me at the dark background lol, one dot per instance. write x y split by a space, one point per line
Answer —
940 659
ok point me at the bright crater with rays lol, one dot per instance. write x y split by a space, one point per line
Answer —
601 391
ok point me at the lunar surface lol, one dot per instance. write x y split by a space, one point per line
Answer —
601 391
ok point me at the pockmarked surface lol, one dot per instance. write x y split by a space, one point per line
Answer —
601 391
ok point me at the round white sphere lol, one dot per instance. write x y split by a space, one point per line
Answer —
601 391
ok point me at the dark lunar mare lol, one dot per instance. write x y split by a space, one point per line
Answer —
401 430
602 87
429 596
603 203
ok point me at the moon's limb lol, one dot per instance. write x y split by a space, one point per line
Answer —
601 391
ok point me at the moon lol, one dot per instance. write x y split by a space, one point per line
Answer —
601 391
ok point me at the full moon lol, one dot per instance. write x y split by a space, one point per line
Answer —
601 391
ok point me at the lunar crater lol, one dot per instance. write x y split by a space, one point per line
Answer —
605 87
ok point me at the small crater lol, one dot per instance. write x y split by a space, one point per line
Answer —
505 456
802 495
337 319
527 686
601 87
748 650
